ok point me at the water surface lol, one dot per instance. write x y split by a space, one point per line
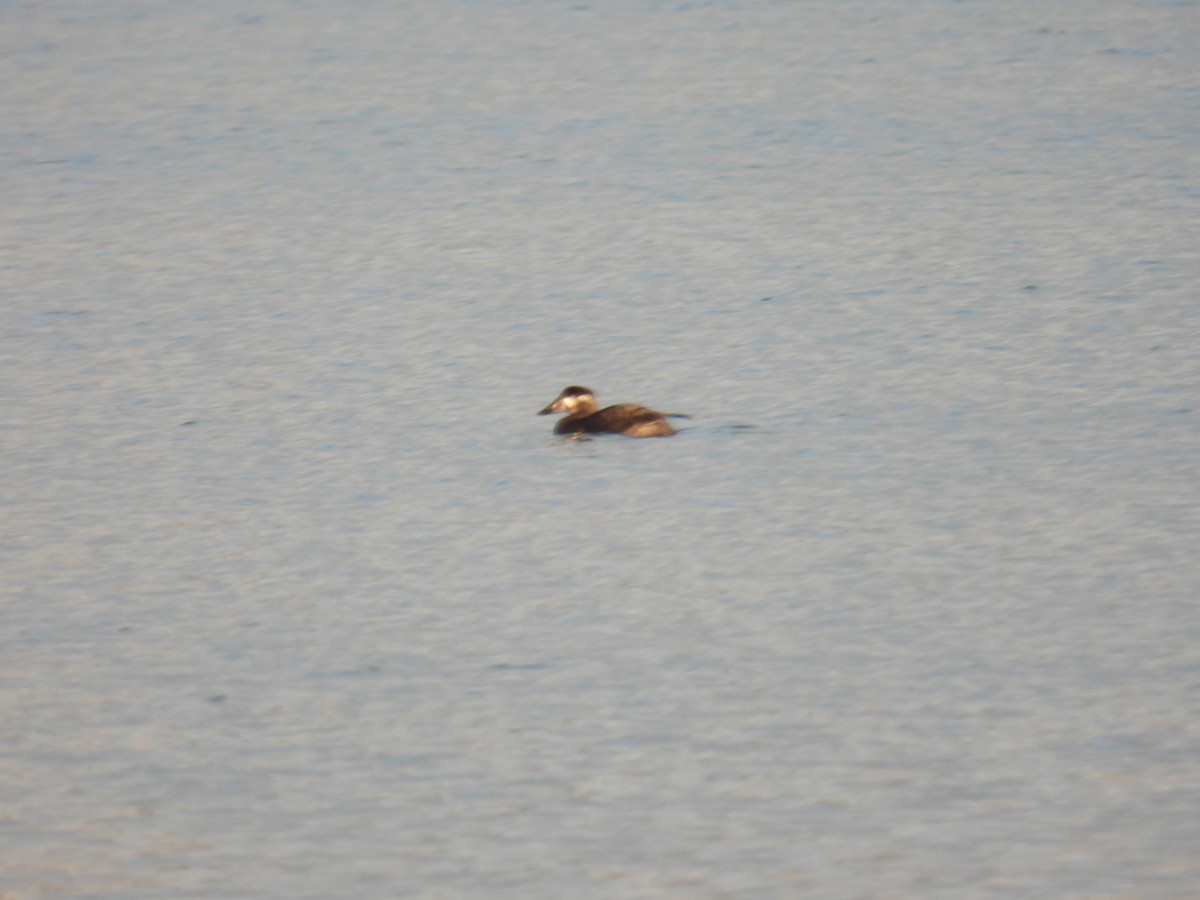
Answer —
302 600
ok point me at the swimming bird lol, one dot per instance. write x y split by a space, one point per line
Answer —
584 415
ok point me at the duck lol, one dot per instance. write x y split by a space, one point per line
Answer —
583 415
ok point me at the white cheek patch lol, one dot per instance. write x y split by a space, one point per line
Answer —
570 404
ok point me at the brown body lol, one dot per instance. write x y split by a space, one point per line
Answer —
584 416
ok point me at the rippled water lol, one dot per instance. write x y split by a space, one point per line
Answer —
302 600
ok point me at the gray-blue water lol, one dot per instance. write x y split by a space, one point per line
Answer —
301 599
